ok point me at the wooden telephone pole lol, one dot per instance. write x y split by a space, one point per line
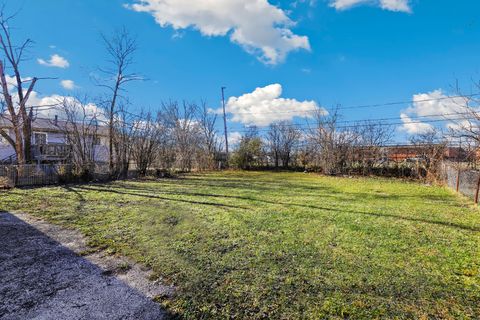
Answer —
225 123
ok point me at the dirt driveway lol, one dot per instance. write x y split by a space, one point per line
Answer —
43 277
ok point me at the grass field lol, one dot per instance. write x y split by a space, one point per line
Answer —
284 245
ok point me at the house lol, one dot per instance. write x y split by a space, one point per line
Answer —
49 142
402 153
411 153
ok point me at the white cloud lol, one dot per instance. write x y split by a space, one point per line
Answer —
234 138
437 106
260 28
12 82
414 126
56 61
391 5
264 106
437 102
68 84
52 106
396 5
49 106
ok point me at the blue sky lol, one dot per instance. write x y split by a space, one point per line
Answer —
348 52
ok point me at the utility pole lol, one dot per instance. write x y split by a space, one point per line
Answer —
225 122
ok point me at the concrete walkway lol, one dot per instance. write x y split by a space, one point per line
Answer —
44 278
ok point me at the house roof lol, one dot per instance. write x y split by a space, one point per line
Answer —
47 125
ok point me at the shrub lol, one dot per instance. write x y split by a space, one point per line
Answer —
5 183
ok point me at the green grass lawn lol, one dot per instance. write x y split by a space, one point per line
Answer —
283 245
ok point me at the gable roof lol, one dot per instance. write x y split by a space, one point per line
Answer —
47 125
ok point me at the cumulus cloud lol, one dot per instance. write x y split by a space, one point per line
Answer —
260 28
435 105
391 5
68 84
49 106
437 102
264 106
56 61
234 138
413 126
12 82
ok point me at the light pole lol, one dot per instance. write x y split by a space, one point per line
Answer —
225 123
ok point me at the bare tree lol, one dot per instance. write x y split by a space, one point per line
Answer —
125 128
371 138
81 131
431 147
120 48
274 143
289 137
146 141
184 130
15 107
323 138
282 138
209 144
465 120
166 153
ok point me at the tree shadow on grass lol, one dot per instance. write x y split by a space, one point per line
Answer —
309 206
301 190
79 195
151 196
410 219
246 184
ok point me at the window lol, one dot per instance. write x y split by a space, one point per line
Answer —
40 138
97 141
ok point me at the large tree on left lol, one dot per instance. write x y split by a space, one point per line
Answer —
15 90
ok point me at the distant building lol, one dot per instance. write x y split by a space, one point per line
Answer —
49 142
402 153
414 152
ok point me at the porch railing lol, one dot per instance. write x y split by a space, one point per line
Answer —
51 151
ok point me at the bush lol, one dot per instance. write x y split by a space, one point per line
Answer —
5 183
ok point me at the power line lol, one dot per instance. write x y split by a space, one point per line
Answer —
357 123
363 122
334 109
363 106
375 121
308 128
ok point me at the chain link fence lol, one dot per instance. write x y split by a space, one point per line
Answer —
461 179
456 176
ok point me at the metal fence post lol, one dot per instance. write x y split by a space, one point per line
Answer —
458 180
477 190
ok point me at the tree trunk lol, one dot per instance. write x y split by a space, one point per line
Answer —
18 143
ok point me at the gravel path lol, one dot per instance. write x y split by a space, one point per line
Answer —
43 277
